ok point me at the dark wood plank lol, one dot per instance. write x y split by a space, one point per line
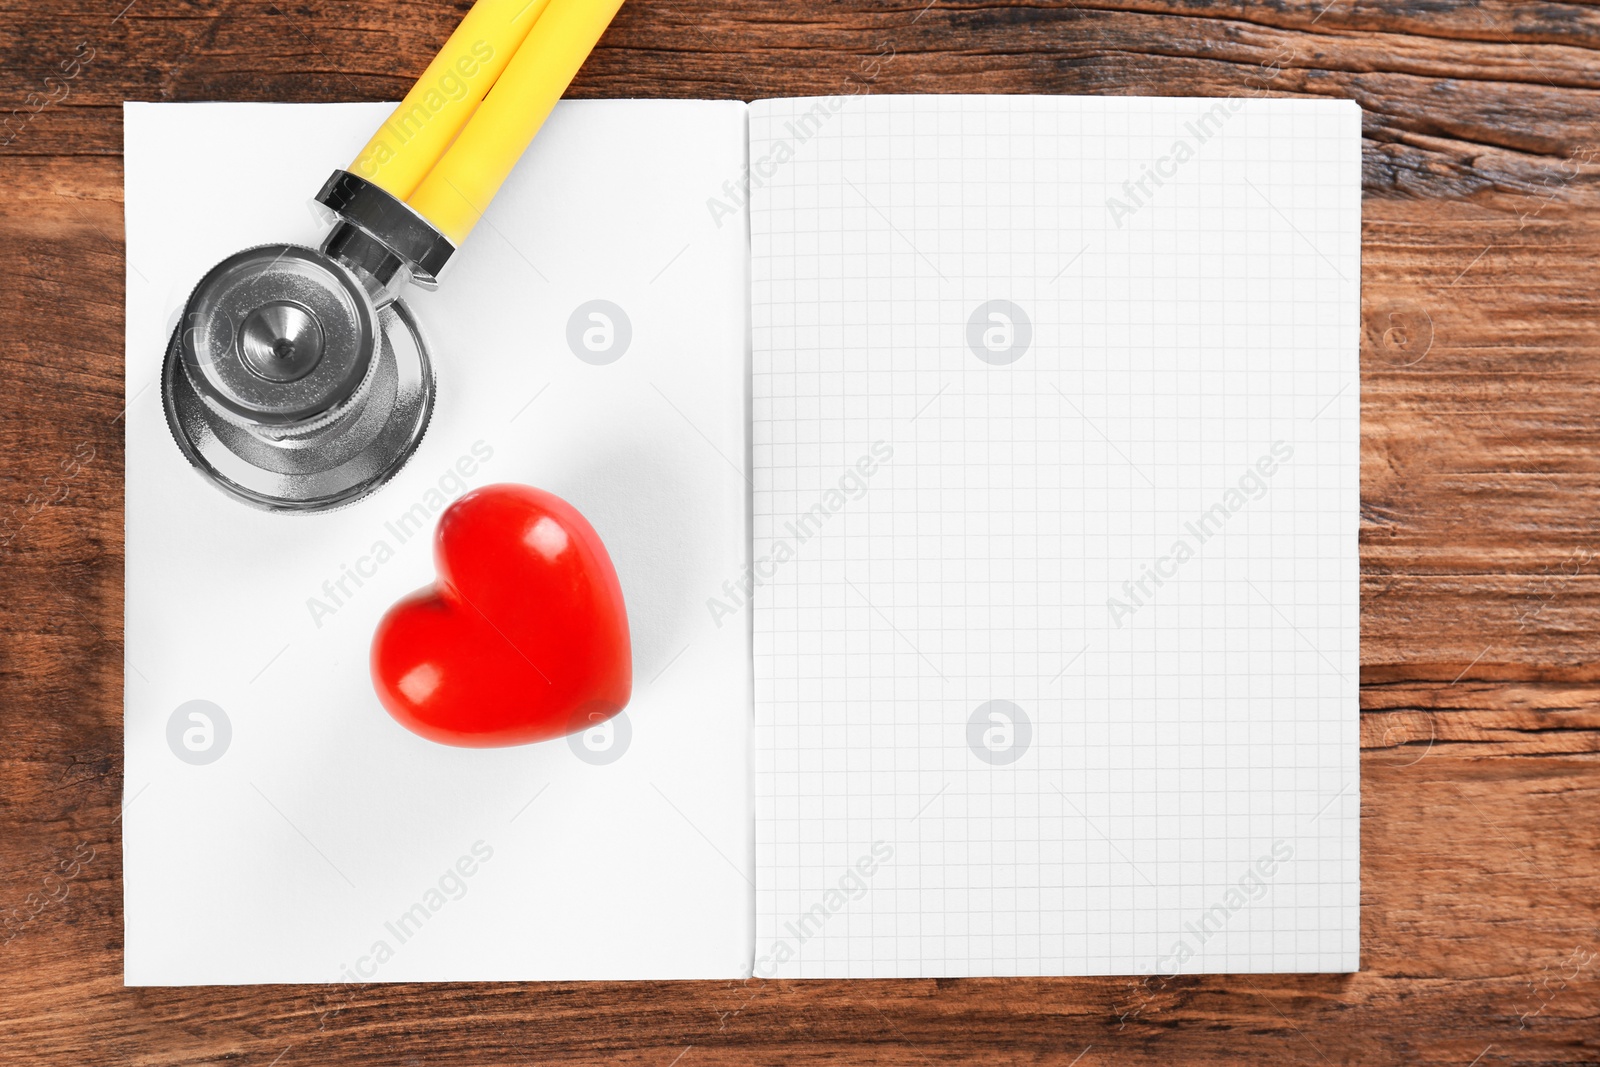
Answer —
1480 533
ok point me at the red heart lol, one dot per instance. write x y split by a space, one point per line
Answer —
524 637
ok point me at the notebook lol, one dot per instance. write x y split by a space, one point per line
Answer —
982 476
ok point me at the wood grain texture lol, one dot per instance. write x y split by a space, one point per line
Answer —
1480 532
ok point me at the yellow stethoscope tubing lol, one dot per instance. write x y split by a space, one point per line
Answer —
419 130
456 192
447 154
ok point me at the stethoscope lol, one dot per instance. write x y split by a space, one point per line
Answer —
296 378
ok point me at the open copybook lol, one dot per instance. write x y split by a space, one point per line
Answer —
982 476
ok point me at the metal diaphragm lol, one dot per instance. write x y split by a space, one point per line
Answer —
289 387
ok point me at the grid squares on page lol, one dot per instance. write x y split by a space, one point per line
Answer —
968 762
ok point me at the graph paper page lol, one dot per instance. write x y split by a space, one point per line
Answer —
1054 587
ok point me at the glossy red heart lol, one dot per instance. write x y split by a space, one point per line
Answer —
524 636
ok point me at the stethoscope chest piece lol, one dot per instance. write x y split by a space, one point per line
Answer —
295 379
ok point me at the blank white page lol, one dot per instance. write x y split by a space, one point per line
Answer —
312 838
1055 448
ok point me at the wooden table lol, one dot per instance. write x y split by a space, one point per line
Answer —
1480 534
